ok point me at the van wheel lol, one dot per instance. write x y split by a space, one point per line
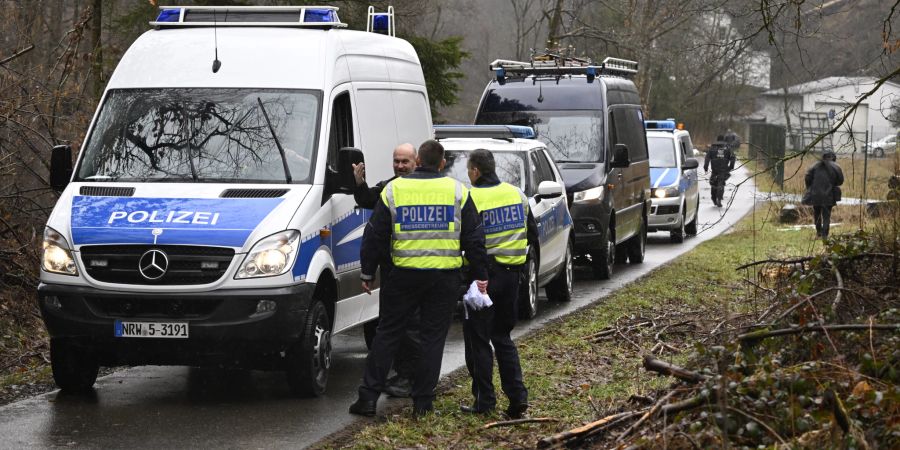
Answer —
637 245
528 291
603 260
691 228
878 152
308 361
74 366
561 288
677 235
369 329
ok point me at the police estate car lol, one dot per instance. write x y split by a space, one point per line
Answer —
675 192
526 164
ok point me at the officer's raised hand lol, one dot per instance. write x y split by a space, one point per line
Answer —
359 172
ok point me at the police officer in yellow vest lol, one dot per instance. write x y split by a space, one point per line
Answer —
423 222
509 228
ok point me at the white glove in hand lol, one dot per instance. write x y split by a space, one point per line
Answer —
475 300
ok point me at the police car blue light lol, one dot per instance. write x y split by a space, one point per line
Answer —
169 15
320 15
663 125
381 23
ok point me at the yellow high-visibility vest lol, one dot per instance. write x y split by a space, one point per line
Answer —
426 218
504 214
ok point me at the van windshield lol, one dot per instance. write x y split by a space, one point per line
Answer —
662 151
571 136
203 135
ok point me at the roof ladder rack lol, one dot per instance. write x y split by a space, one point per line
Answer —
248 16
555 64
381 23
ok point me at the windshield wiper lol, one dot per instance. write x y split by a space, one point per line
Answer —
190 136
287 171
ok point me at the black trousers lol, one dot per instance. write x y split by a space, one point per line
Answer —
434 293
717 184
822 216
493 326
407 358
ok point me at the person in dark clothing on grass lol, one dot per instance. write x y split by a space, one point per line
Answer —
399 385
423 223
507 235
722 160
822 191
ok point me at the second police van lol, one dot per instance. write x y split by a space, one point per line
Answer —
673 179
209 218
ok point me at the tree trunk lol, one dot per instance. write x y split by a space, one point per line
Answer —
96 49
553 29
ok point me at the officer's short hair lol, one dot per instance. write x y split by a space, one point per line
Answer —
431 153
483 160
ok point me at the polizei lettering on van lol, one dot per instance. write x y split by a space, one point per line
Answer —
187 217
425 217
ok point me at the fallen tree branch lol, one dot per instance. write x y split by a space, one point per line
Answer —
583 431
646 416
505 423
662 367
691 403
764 333
776 261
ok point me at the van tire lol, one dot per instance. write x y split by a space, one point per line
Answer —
528 289
309 360
637 246
878 152
677 234
691 228
603 259
74 366
561 288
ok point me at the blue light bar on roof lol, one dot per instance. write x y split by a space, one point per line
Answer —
381 23
522 131
664 125
320 16
169 15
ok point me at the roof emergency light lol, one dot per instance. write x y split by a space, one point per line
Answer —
661 125
505 132
248 16
381 23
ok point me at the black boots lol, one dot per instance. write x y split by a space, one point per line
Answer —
363 408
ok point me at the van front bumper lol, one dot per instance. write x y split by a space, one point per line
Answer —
590 223
665 214
226 328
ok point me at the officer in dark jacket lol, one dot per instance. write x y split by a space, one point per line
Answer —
822 191
722 160
400 385
509 228
423 222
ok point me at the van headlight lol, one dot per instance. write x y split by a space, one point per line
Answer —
589 195
56 255
271 256
668 192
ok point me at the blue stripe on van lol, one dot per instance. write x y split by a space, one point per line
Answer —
196 221
663 176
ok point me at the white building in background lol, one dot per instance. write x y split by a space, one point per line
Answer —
820 105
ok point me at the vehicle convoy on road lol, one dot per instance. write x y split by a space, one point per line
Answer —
208 220
526 164
675 190
590 118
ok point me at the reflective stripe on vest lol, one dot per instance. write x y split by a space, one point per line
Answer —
426 218
504 214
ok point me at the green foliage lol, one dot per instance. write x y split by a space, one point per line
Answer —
439 60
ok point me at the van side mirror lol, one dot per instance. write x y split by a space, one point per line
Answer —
620 156
347 157
689 163
549 189
60 167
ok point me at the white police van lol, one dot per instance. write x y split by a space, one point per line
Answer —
524 162
209 219
675 191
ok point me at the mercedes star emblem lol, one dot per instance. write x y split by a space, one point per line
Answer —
153 264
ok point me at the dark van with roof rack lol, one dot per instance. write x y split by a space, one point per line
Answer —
591 120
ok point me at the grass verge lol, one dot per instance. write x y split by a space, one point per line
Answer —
575 380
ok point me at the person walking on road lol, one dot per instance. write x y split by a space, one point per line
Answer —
509 228
722 160
423 222
822 191
399 385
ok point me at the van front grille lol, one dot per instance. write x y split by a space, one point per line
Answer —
106 191
185 265
139 307
253 193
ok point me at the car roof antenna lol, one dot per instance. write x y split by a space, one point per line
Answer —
216 63
540 93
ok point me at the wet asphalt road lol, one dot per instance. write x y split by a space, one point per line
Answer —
180 407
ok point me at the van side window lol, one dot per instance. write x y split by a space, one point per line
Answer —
341 134
629 130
